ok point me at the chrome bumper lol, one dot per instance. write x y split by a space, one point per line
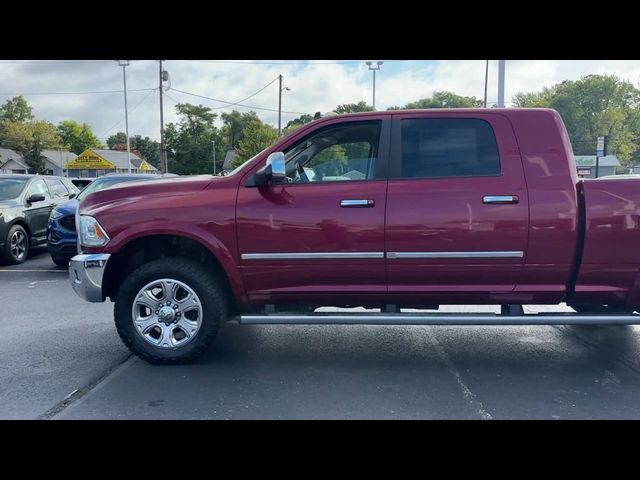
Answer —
85 275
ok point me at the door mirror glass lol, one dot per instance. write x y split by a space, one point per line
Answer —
35 197
278 169
274 172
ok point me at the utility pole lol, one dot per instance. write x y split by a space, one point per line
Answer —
124 64
163 152
501 65
279 104
486 82
280 90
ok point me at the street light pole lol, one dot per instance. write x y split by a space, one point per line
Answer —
163 151
486 82
124 64
501 66
374 68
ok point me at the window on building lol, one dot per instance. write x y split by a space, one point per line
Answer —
84 173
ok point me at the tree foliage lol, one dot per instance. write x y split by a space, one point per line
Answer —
16 110
361 106
29 139
257 137
296 123
235 125
77 137
144 147
593 106
443 99
190 141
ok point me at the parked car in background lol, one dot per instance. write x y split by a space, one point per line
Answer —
81 183
61 228
25 204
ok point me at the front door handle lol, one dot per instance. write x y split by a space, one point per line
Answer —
500 199
357 203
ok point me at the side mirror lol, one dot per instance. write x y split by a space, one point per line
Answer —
273 172
72 195
35 197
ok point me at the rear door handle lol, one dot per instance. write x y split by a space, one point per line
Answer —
357 203
500 199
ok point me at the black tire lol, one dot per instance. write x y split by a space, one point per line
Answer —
61 261
9 255
196 277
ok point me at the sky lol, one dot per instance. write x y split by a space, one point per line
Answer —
61 90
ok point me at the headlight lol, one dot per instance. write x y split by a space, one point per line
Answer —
91 233
55 214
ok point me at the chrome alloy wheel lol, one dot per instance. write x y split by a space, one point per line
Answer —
167 313
18 245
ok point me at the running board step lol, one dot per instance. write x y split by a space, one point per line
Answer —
440 319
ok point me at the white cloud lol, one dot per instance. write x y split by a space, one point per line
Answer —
315 86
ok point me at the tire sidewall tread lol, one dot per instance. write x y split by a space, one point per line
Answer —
197 277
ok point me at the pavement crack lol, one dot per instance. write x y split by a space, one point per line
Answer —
466 392
78 393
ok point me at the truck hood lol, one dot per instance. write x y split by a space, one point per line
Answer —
143 192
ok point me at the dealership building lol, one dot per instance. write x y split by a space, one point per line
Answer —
95 162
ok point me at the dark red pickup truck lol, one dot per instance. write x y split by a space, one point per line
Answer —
387 210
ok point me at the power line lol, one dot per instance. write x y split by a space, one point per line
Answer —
247 98
132 110
237 104
75 93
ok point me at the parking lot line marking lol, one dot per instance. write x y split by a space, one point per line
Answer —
53 271
468 395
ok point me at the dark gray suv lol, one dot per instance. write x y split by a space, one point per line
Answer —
25 204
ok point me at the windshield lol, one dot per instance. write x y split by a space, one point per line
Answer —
11 187
105 182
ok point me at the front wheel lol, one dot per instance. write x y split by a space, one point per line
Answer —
17 245
168 311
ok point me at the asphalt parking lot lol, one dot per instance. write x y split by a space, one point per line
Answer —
61 358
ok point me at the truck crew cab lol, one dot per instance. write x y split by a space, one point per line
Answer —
385 210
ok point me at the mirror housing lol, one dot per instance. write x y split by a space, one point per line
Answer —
274 172
35 197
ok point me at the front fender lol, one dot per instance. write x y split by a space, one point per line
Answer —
188 230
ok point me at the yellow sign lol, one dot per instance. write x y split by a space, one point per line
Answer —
89 160
144 166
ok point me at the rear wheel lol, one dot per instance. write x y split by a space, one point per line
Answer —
168 311
17 245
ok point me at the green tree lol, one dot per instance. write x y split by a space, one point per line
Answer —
444 99
147 148
116 139
361 106
257 137
296 123
77 137
190 141
29 139
234 126
593 106
16 110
